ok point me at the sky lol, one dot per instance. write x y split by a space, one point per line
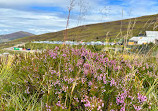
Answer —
44 16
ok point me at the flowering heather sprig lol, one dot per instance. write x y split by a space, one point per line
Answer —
141 98
53 55
70 69
27 91
147 66
56 48
87 104
48 107
121 98
64 55
59 104
123 108
102 81
83 80
76 99
137 108
79 62
112 82
53 72
100 77
90 83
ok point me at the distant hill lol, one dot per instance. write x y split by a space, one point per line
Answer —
114 30
13 36
101 31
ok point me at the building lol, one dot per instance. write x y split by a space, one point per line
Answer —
151 37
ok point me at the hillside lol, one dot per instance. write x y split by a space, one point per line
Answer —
110 30
100 31
13 36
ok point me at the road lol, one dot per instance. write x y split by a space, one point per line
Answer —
18 45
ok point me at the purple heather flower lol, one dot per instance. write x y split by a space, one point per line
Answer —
102 104
64 107
130 66
112 82
120 99
27 91
131 97
79 62
89 83
48 107
99 78
87 104
86 71
65 79
147 66
76 99
70 80
70 70
141 98
56 48
83 80
122 109
99 107
113 62
137 108
64 55
53 71
58 104
104 80
52 54
86 66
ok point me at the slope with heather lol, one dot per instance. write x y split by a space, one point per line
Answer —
66 78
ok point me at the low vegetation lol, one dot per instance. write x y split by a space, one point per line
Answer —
43 46
77 78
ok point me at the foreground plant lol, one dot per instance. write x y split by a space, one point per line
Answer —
67 78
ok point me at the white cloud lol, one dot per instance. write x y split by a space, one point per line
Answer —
15 20
41 30
14 17
141 7
30 2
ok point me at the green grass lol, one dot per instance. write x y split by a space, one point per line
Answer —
35 46
150 49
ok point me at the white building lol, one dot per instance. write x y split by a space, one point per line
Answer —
151 37
152 33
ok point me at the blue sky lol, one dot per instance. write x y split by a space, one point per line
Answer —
43 16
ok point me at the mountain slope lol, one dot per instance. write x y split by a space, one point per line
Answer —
101 31
13 36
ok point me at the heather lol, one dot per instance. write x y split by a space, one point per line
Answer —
71 78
